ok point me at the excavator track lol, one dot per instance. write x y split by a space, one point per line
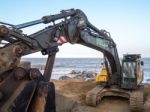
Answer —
93 96
136 97
136 101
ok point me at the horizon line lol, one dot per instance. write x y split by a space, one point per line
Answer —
74 57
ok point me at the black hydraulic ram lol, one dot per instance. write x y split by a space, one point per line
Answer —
48 19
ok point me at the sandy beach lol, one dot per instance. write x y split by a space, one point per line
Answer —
76 90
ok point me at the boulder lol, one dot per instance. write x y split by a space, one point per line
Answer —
85 75
64 77
79 76
89 75
75 72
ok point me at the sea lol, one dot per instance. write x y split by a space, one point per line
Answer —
63 66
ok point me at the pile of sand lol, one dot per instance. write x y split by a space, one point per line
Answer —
76 90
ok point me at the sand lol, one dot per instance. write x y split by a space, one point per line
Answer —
76 90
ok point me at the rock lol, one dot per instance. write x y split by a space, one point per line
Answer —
83 72
75 72
79 76
64 77
89 75
85 75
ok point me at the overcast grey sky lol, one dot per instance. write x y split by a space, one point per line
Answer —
128 21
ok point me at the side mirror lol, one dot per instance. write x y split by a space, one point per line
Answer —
142 63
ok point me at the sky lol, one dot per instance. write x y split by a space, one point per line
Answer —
128 22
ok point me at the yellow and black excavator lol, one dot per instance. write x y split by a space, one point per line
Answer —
25 89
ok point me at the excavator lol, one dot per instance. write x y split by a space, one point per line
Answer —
131 83
132 68
26 89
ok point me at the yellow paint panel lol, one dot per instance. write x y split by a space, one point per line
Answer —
103 76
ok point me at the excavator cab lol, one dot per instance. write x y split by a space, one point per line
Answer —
132 75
